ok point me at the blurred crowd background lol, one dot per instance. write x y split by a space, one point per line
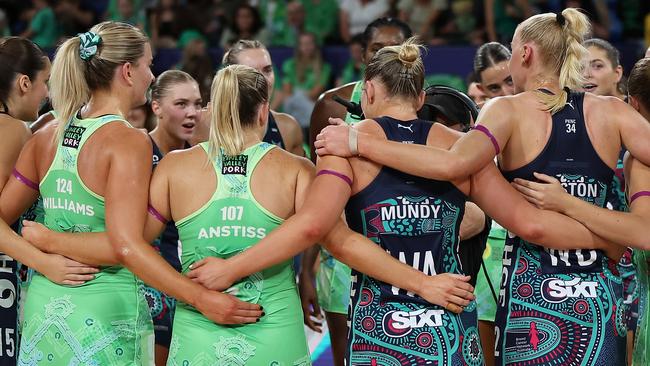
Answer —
316 44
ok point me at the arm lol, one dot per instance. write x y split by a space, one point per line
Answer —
473 221
357 251
15 198
321 209
91 248
15 137
126 196
624 228
469 154
307 289
320 212
153 27
344 25
634 129
489 20
505 205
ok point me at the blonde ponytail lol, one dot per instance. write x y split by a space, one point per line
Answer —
75 75
68 87
236 95
227 133
559 38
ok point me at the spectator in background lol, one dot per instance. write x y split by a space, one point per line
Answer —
503 16
211 17
196 61
128 11
321 19
420 15
246 24
286 33
457 24
43 28
165 25
73 17
635 17
598 14
4 24
305 77
355 15
355 67
274 16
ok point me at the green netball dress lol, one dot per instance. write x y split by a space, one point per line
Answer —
333 277
104 321
641 355
487 286
229 223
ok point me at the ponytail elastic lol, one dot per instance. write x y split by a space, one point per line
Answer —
88 45
561 20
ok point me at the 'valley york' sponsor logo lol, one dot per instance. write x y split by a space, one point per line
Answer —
555 290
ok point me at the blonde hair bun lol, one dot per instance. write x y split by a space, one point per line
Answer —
409 52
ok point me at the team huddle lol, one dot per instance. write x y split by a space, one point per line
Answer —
176 247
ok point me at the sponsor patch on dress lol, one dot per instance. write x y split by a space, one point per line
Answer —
234 164
72 136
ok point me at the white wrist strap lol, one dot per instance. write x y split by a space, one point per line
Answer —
353 141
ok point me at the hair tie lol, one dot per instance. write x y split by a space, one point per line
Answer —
561 20
88 45
406 75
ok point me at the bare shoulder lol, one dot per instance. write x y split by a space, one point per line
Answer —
442 136
597 104
508 101
14 130
121 135
46 135
287 124
284 119
184 159
287 161
606 107
42 121
370 126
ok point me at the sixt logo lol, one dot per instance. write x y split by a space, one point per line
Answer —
555 290
399 323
